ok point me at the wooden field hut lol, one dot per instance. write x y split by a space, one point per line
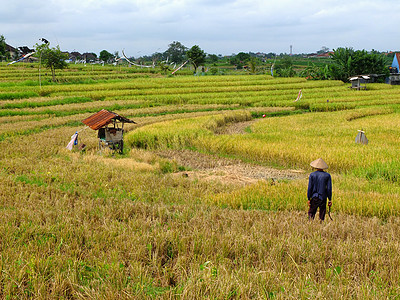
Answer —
110 127
359 82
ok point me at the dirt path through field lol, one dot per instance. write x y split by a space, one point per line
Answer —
233 171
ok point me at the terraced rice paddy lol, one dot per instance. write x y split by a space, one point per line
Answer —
208 199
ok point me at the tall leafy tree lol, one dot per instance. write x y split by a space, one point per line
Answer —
369 63
243 57
213 58
105 55
341 67
176 52
196 56
51 58
240 59
284 67
347 62
3 46
253 62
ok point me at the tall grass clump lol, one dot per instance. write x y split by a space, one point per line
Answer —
387 171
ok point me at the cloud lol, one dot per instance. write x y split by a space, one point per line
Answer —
224 26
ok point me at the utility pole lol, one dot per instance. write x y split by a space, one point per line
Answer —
40 63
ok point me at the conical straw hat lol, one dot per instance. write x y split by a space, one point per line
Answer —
319 164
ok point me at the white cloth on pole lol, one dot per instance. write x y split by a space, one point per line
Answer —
74 139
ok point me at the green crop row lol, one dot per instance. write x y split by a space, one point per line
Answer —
53 102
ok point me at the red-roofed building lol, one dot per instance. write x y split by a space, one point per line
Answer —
326 54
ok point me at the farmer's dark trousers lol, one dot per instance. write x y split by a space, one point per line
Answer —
314 204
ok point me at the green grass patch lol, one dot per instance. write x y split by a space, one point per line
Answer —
18 95
388 171
30 180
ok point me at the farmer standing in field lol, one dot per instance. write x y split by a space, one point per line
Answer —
319 189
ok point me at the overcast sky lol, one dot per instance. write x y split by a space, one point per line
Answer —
142 27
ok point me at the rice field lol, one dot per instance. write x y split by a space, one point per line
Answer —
200 204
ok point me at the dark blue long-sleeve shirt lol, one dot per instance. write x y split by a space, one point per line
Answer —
319 185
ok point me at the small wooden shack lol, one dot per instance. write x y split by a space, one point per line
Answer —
359 82
110 128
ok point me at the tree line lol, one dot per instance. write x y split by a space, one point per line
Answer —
343 62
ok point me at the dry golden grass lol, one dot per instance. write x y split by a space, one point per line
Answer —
78 225
110 248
